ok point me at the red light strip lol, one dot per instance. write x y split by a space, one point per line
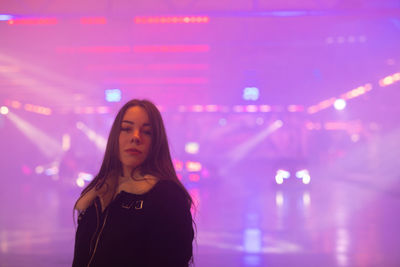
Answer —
240 108
37 109
93 20
171 20
33 21
389 80
159 80
93 49
346 96
135 49
357 92
171 48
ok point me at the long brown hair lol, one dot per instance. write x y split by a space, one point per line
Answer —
158 163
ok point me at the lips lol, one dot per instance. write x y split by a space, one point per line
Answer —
133 151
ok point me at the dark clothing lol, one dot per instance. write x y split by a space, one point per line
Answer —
149 230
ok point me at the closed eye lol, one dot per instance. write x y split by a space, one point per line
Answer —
147 132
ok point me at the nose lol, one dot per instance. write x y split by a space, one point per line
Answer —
136 137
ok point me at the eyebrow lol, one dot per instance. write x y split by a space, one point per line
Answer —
131 122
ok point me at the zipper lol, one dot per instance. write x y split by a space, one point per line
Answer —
97 227
97 240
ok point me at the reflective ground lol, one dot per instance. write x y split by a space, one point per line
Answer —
242 220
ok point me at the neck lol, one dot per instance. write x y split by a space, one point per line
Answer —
128 174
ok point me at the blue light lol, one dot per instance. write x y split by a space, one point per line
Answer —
252 240
289 13
251 93
113 95
4 17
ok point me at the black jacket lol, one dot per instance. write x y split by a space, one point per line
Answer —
149 230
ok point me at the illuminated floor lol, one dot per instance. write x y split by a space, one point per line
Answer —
241 221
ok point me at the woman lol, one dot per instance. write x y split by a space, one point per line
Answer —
135 212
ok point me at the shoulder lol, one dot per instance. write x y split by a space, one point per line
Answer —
168 187
170 193
86 200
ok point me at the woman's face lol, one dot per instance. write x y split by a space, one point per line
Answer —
134 138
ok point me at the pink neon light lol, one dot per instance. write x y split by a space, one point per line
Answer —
265 108
171 48
160 80
33 21
26 170
103 110
295 108
127 67
326 103
93 49
93 20
251 108
313 109
238 109
143 49
197 108
391 79
37 109
313 126
357 92
171 19
178 165
193 166
335 126
194 177
211 108
16 104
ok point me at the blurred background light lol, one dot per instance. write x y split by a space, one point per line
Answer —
80 182
339 104
85 176
251 93
252 240
5 17
193 166
113 95
192 147
4 110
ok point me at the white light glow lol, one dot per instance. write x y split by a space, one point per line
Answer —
85 176
192 148
80 182
306 179
306 199
99 140
283 173
300 174
251 93
4 110
252 240
339 104
51 171
279 199
44 142
279 179
113 95
278 123
5 17
193 166
355 137
243 149
39 169
66 142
